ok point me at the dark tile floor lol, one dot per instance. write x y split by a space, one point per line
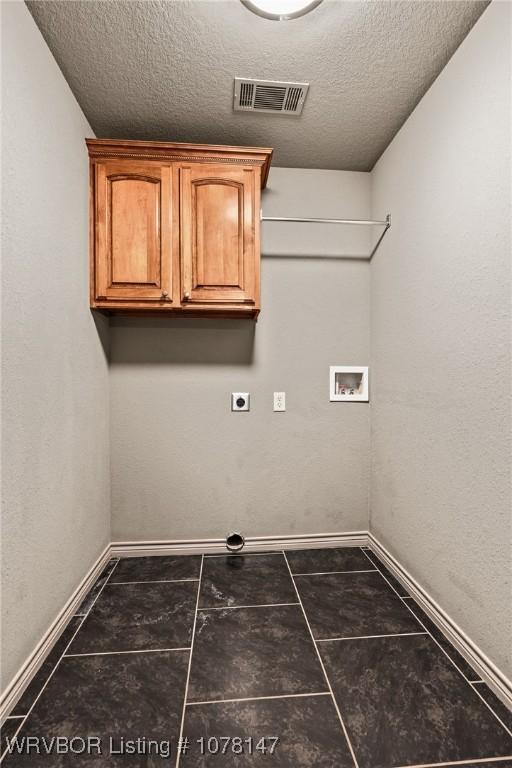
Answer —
345 605
304 659
253 652
139 617
249 580
427 690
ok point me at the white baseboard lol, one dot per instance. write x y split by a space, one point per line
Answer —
252 544
28 669
481 663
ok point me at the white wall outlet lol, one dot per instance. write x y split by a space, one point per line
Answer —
279 401
240 401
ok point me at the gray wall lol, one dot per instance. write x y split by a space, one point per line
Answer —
441 419
55 518
183 465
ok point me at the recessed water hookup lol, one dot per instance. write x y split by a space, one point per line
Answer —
235 541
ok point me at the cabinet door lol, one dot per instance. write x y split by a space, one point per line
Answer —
133 221
219 235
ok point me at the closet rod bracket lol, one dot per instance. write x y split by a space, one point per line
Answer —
381 236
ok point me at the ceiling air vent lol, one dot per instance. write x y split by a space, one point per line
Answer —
269 96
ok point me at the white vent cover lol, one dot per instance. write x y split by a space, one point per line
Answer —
269 96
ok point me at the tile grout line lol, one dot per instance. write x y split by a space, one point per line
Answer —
232 607
155 581
122 653
59 661
367 637
472 762
328 573
500 721
242 554
259 698
185 694
345 732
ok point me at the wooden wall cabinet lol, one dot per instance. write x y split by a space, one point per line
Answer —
175 227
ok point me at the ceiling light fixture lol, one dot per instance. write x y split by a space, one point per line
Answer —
279 10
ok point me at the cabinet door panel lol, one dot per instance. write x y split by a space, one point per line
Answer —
133 232
135 212
219 260
219 234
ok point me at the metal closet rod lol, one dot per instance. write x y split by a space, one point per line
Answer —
386 224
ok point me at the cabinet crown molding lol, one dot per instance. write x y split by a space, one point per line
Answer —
181 152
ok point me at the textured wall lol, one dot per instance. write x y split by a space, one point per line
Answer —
183 465
55 494
441 341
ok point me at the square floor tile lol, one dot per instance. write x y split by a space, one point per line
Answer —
130 696
86 604
328 560
445 644
246 580
496 705
157 568
404 703
136 617
32 691
308 730
353 605
389 576
247 652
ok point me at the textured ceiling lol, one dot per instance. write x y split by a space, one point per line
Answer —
163 69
